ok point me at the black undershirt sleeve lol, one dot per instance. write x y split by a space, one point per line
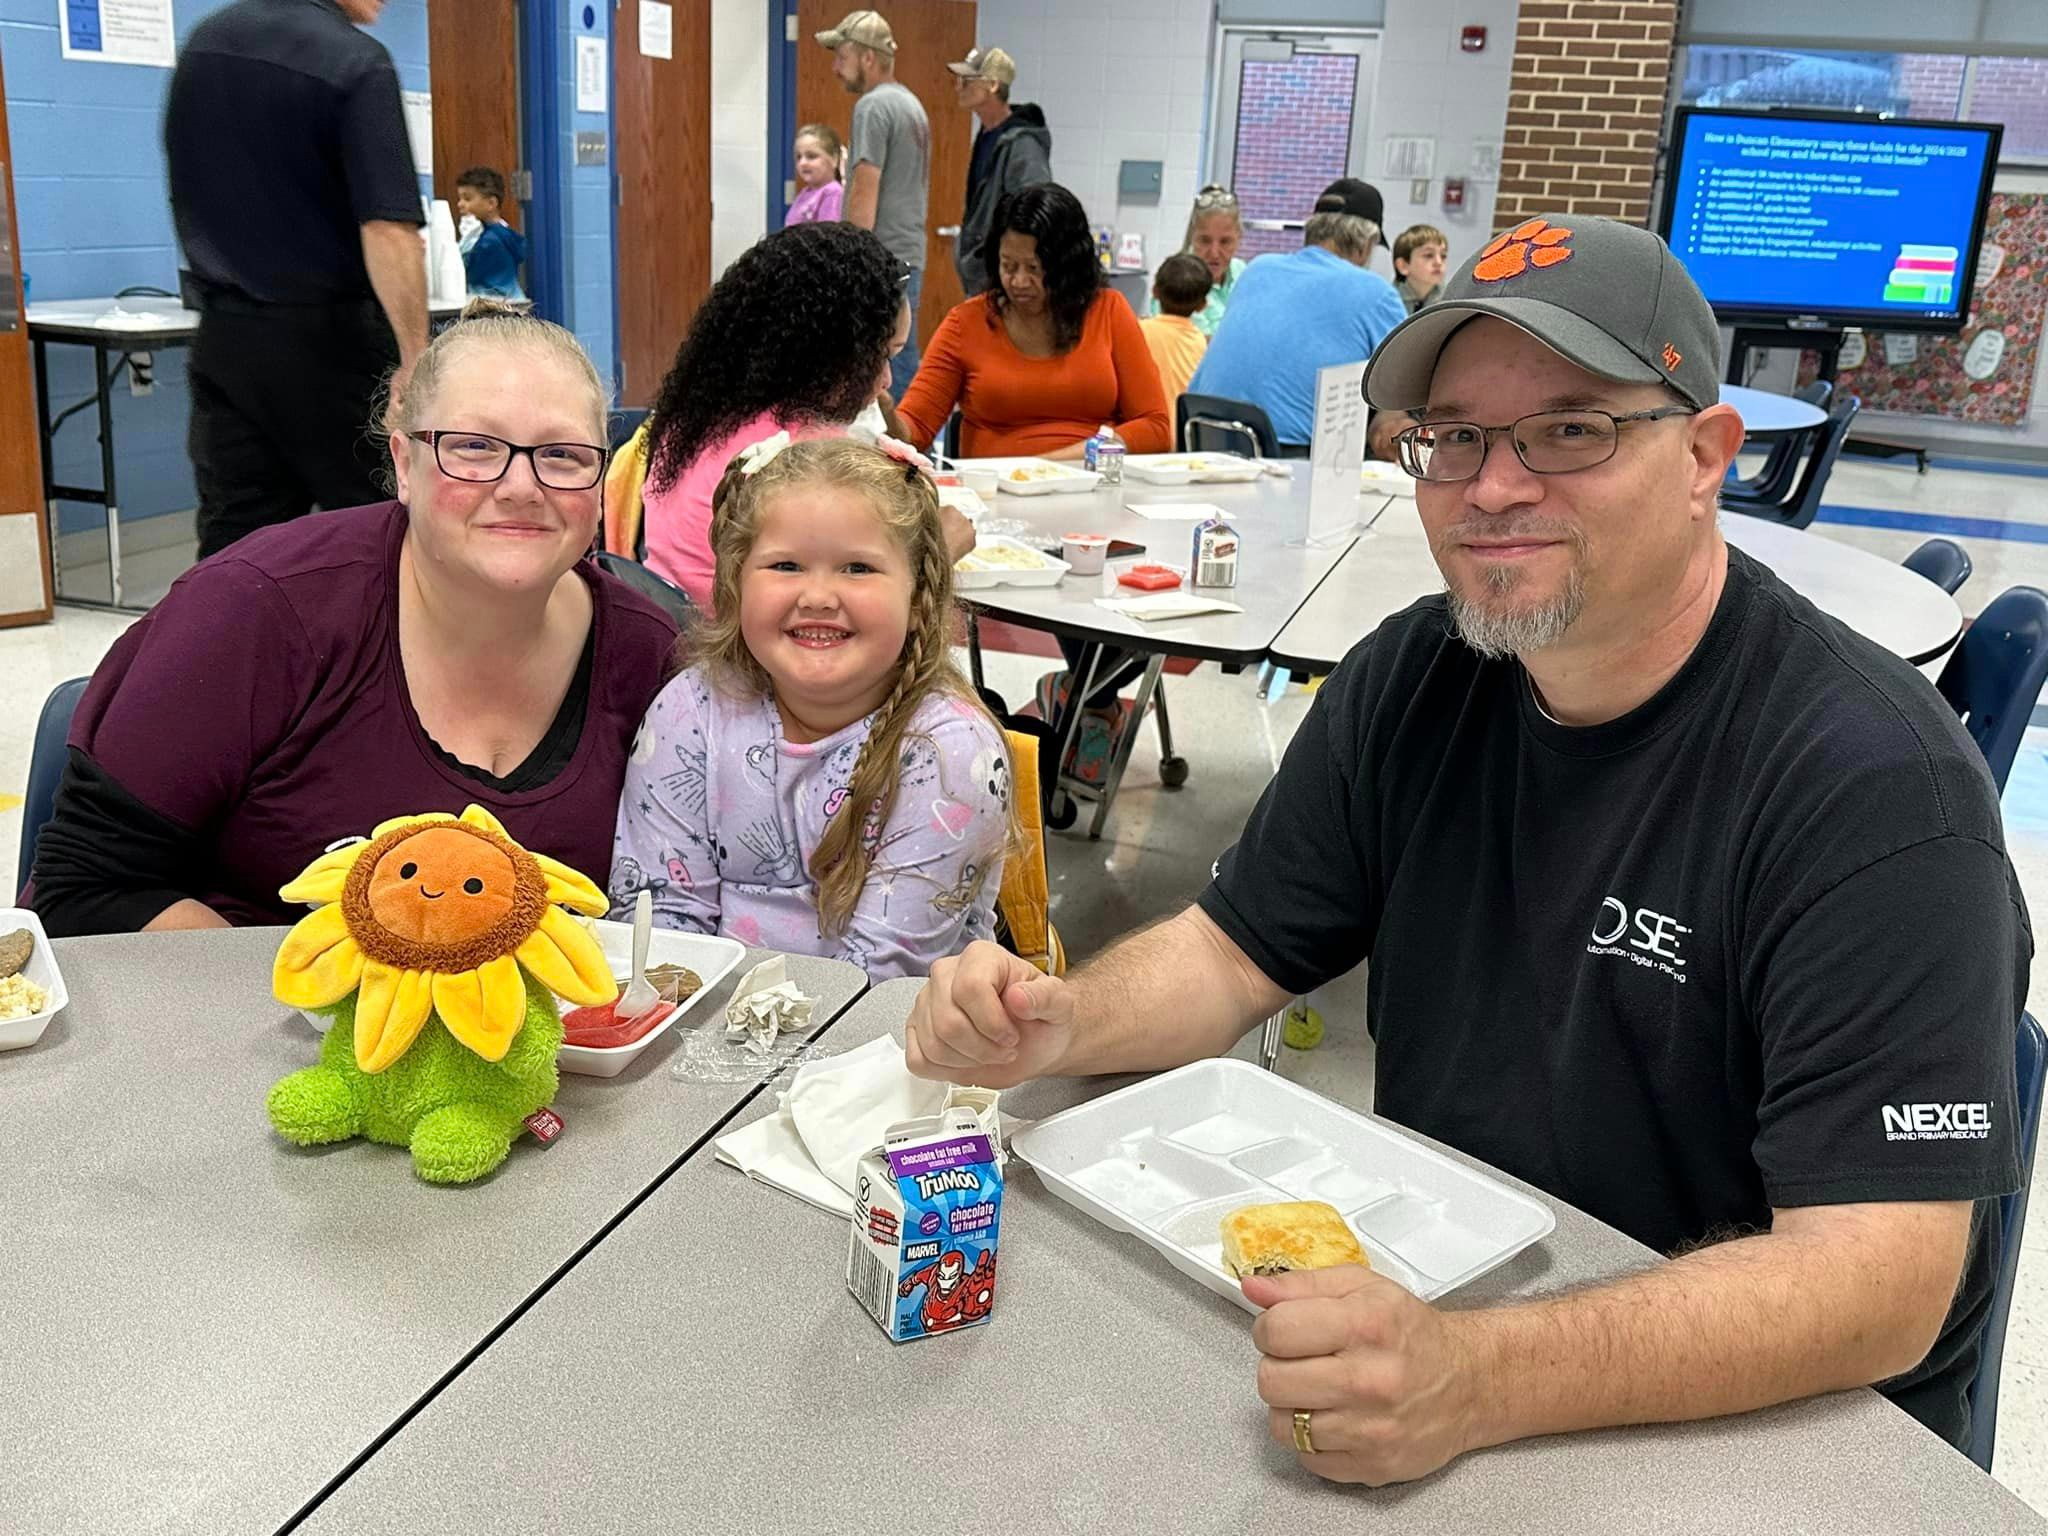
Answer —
105 862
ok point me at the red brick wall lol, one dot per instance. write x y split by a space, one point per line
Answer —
1585 104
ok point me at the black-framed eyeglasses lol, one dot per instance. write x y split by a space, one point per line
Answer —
1547 443
482 458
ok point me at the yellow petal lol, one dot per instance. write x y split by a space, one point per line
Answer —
477 816
407 821
569 889
391 1010
324 878
318 963
483 1008
567 961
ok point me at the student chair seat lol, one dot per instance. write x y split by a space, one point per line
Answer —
1217 424
45 768
1942 561
2031 1059
674 601
1994 675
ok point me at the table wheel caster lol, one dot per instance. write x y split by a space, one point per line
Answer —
1173 772
1062 812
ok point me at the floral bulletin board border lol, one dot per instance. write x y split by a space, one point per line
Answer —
1985 374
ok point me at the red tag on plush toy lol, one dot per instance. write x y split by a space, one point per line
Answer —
545 1124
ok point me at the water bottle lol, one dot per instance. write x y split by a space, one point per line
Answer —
1104 454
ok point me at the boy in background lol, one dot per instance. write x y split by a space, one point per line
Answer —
1419 257
1181 289
491 254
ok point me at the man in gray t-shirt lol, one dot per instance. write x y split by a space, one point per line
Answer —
889 158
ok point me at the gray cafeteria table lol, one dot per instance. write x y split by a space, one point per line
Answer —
1391 567
705 1371
206 1324
1766 413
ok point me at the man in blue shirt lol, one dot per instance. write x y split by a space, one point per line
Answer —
1292 315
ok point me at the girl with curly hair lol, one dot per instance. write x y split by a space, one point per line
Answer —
1046 356
822 780
796 336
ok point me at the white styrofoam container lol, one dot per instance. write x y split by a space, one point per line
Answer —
42 970
1167 1159
1192 468
710 957
1045 572
1069 479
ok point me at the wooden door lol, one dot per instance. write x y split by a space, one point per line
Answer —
929 35
661 152
25 576
473 60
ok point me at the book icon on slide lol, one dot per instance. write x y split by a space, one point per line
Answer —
1923 274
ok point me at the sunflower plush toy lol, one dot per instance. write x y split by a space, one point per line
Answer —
438 947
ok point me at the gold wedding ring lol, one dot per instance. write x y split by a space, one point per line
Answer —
1304 1441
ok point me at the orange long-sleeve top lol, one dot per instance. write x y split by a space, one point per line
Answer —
1011 404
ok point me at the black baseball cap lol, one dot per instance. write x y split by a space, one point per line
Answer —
1349 195
1607 296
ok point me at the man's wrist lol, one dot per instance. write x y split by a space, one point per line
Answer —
1489 1399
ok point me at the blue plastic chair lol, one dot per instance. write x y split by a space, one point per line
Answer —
1994 675
1942 561
648 583
45 768
1217 424
2032 1061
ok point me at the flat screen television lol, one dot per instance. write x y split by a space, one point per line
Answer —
1825 220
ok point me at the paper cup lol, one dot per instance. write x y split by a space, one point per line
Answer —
980 481
1085 552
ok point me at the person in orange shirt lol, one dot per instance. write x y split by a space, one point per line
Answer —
1180 290
1047 355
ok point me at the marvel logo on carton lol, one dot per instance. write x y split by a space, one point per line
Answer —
927 1207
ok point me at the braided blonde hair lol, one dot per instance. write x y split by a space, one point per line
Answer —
908 505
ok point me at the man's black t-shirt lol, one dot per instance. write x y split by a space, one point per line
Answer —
285 134
1754 944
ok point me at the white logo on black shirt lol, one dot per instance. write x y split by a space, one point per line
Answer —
1655 941
1937 1122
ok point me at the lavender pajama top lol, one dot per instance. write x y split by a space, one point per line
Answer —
721 815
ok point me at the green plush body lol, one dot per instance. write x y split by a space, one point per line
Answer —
457 1112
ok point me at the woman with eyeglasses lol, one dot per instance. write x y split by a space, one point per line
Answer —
449 647
796 337
1048 354
1215 229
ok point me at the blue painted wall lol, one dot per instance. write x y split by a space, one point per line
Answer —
95 217
584 192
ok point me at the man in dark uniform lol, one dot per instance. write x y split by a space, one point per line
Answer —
298 209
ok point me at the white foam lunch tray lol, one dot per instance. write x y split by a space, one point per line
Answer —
1071 479
1046 572
1192 468
42 971
1167 1159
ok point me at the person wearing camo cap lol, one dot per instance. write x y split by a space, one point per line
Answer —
1683 902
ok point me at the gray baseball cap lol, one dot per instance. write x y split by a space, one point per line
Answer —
1607 296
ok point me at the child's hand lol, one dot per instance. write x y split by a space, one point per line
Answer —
958 530
989 1019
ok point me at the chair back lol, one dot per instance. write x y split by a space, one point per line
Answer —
2031 1060
1943 562
674 601
1820 464
625 481
45 767
1217 424
1025 900
1818 392
1995 673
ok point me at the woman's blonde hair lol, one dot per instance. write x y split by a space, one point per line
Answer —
492 324
1212 200
908 505
828 141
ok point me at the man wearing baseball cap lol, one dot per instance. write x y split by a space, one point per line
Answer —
888 188
1292 316
1012 149
1683 902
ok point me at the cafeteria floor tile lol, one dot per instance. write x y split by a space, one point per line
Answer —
1157 847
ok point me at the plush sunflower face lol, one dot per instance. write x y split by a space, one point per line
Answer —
439 914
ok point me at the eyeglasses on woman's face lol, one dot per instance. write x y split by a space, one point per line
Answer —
480 458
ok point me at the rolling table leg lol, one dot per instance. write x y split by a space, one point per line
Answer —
106 411
1111 780
1066 724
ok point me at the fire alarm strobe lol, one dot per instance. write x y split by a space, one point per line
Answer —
1454 192
1472 39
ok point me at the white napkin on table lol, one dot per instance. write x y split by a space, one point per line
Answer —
1157 606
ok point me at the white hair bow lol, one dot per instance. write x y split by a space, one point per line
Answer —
756 457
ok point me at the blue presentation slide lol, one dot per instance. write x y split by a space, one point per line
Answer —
1818 216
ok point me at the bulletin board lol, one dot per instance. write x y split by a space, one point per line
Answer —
1986 373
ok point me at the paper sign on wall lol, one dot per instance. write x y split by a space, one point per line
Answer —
590 81
117 31
657 29
1336 453
1409 156
419 129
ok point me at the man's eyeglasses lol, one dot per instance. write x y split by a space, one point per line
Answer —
1547 443
479 457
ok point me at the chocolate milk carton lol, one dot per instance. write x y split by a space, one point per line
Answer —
927 1206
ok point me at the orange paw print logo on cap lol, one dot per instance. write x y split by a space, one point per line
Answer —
1534 244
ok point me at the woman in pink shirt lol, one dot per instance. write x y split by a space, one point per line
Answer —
820 192
797 337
